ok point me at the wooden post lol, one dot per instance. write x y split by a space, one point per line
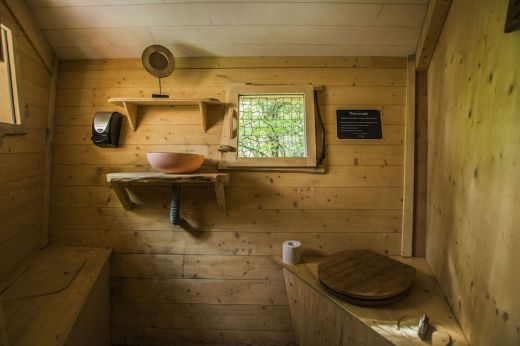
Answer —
49 139
432 28
421 166
409 162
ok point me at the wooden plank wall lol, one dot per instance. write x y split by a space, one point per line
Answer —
318 321
22 157
218 284
474 183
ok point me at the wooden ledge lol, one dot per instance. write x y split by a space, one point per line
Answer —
45 297
131 106
12 129
394 324
119 180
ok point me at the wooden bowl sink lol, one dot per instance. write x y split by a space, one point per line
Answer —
175 163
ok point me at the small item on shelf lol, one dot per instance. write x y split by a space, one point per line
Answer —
160 63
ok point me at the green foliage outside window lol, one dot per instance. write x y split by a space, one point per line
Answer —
271 126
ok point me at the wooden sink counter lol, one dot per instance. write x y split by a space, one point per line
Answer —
319 318
119 181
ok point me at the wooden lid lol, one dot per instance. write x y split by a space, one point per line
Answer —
365 274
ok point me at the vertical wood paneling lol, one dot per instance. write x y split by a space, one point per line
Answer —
473 216
163 274
22 157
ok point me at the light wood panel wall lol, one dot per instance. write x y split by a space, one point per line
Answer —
218 284
23 157
318 321
474 183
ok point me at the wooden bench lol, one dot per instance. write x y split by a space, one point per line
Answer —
58 296
319 318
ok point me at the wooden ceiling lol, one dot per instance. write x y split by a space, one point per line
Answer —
96 29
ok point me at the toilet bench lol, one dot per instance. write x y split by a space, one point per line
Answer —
58 296
319 318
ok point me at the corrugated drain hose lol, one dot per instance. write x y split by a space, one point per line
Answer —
175 206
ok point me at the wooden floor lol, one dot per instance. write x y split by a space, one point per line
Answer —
218 284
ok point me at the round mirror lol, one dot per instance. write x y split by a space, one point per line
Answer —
158 61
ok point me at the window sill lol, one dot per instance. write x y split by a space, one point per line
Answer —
311 170
12 129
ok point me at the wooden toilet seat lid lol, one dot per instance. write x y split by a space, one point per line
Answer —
365 274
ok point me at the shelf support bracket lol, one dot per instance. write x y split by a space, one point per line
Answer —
131 111
123 196
221 195
203 108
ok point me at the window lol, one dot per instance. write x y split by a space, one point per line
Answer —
269 127
10 114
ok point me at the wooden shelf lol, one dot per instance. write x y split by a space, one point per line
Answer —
120 180
131 106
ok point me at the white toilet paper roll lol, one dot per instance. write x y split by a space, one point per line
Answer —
291 251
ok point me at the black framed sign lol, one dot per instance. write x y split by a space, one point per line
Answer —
359 124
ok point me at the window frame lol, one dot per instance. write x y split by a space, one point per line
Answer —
10 56
229 143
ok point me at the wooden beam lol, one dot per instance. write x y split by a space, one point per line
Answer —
421 166
409 162
49 139
432 28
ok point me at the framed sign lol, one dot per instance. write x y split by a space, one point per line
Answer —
359 124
